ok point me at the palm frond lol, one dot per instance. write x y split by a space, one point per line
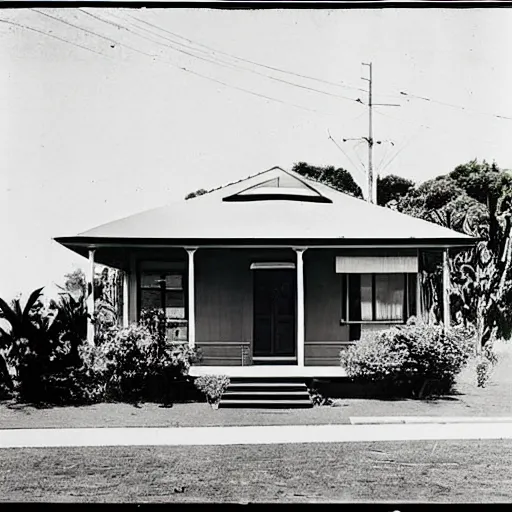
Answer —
34 296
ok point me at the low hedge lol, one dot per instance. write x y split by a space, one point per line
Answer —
411 360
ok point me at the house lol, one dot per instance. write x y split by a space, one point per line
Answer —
272 275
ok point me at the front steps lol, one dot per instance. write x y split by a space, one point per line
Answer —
276 393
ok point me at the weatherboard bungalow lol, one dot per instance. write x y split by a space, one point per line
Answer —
272 275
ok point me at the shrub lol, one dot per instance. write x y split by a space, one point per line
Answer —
126 360
212 386
407 358
483 371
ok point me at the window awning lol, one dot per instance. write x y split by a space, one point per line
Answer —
376 264
269 265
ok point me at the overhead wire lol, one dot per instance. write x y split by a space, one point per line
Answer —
47 34
273 68
223 63
428 127
65 22
415 135
363 171
459 107
308 77
384 156
187 70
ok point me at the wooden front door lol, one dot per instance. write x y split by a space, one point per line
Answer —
274 313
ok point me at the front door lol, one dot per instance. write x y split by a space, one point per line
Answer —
274 315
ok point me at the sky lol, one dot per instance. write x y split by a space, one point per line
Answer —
108 112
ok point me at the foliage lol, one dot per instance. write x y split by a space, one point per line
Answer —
483 371
481 181
406 358
27 345
126 359
476 199
392 188
71 322
485 364
76 282
318 398
107 287
212 386
490 353
340 179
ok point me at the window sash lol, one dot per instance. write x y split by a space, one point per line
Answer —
170 285
369 303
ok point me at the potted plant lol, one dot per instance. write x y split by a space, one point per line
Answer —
212 386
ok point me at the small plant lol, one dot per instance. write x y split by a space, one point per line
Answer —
318 398
212 386
483 371
490 354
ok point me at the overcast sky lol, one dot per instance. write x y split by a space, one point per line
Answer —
97 128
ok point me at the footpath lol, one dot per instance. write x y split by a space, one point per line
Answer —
361 429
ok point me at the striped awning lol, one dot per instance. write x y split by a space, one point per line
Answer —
376 264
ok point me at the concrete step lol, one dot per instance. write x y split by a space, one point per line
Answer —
269 386
266 395
268 392
271 404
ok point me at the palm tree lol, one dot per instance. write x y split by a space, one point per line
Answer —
25 325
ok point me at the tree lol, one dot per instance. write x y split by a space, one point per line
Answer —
392 188
27 344
482 181
475 199
197 193
340 179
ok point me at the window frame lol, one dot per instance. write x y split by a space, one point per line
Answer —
345 302
164 268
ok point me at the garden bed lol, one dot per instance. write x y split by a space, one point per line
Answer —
493 400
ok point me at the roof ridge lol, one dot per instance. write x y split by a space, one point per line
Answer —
241 179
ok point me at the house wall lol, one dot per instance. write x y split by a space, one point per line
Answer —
223 306
224 302
324 334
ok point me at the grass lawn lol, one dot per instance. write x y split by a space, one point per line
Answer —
419 471
493 400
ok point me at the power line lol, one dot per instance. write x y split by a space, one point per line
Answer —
252 92
433 128
459 107
270 98
67 41
90 32
402 93
223 63
248 60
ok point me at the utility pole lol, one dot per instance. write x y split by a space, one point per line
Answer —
371 194
372 189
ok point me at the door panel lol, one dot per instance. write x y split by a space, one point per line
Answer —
274 313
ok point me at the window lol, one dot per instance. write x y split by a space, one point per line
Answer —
368 298
163 287
163 290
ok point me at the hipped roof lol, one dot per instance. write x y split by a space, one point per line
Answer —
211 219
